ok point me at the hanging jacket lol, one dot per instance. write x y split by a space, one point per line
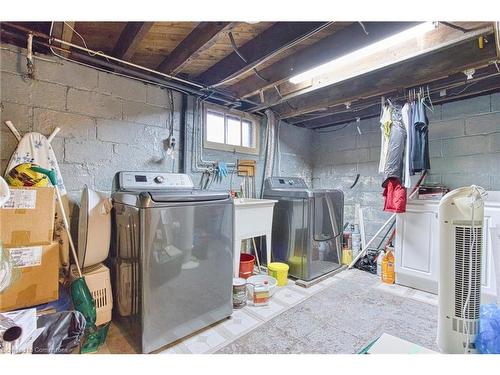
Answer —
406 117
395 196
395 151
385 132
420 141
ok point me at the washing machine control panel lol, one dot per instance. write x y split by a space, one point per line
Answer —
287 182
154 181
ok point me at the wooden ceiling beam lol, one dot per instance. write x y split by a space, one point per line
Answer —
267 42
483 76
64 31
414 72
130 38
338 44
200 37
459 92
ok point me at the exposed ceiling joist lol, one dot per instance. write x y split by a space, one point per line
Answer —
130 38
339 43
264 44
202 35
64 31
439 38
413 72
459 91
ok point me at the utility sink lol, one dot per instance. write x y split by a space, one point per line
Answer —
253 202
252 218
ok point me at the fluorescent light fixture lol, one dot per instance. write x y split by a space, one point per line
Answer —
391 41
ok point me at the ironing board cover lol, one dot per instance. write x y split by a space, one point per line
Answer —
35 148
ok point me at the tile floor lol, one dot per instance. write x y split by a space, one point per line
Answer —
341 314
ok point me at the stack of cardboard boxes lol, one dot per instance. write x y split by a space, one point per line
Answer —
26 233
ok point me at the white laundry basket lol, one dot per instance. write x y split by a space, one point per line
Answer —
99 282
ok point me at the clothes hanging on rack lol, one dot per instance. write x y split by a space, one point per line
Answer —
395 196
385 131
420 142
404 146
406 115
394 164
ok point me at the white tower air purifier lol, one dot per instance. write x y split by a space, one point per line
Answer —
461 217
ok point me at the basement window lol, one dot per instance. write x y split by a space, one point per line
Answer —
230 130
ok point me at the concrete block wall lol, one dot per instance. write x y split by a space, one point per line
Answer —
108 123
464 141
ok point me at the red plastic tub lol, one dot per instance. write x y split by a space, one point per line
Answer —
246 265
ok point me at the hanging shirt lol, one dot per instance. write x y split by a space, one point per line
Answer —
420 141
407 117
395 196
395 149
385 131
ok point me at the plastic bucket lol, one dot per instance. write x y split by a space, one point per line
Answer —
246 265
279 271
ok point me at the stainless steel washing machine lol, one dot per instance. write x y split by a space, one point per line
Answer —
307 226
171 256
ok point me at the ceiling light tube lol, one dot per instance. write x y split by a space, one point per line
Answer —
391 41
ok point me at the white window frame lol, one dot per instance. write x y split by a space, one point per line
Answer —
227 112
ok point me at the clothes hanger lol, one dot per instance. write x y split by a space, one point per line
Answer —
430 100
427 97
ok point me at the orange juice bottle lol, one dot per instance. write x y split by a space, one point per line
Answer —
388 274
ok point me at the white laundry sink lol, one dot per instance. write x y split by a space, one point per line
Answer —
254 202
252 218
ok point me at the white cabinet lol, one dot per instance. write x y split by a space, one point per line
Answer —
417 246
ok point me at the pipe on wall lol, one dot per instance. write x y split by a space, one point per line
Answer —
270 145
169 81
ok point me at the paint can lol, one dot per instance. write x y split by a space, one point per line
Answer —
239 292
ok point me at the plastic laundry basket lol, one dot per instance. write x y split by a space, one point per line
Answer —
99 283
279 271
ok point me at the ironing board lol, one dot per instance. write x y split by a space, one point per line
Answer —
36 148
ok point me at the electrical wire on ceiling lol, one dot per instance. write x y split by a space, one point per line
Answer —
274 53
363 27
195 89
82 39
52 49
256 72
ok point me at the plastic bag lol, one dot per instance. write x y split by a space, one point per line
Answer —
63 332
488 340
368 262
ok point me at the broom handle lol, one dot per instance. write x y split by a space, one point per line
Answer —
256 254
393 216
66 226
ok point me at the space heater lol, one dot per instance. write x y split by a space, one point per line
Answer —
461 218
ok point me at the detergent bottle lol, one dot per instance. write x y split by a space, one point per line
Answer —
380 259
388 274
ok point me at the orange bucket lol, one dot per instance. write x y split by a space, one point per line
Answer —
246 265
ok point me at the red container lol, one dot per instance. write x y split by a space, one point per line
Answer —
246 265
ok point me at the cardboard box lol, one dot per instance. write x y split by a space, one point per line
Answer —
35 273
28 217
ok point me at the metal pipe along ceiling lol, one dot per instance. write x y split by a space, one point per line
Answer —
173 82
